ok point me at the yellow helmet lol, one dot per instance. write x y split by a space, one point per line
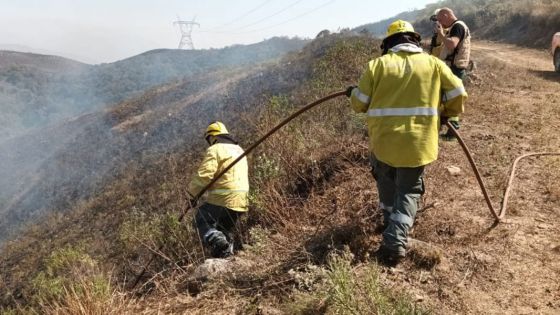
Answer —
216 128
400 26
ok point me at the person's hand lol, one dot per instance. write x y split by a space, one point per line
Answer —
455 124
439 29
349 90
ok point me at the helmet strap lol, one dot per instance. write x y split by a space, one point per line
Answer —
211 139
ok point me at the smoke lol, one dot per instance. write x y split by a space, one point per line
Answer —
96 121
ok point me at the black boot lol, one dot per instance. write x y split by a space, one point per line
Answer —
219 246
390 257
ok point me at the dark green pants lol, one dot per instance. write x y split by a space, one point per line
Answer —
400 190
459 73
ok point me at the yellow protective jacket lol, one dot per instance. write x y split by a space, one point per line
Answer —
232 188
401 93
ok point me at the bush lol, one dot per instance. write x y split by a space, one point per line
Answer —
352 293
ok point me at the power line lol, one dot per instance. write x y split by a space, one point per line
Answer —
243 15
272 15
292 19
277 24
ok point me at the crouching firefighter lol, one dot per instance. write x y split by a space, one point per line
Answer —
227 197
400 92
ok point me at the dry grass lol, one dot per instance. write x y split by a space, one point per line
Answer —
83 299
313 197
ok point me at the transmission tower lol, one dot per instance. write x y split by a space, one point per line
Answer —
186 28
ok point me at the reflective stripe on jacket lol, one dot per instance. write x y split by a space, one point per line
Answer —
232 188
401 92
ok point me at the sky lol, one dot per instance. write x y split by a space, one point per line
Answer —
97 31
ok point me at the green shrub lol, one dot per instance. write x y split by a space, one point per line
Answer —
67 269
351 291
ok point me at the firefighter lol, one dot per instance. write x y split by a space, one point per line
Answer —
401 92
227 197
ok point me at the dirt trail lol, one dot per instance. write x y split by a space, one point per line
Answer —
514 268
514 55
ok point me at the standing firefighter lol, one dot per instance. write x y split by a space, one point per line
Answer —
456 50
227 197
400 92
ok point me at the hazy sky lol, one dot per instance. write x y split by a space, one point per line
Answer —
108 30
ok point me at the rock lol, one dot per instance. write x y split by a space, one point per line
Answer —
211 268
484 258
418 298
453 170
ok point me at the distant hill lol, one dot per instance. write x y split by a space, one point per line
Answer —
37 90
38 51
41 62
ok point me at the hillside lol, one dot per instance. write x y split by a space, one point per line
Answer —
38 90
310 201
309 238
379 29
146 147
522 22
39 168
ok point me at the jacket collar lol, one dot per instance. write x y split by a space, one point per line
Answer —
411 48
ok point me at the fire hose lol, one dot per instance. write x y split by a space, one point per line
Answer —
498 216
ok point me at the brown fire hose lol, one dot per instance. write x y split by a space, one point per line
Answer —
498 216
247 151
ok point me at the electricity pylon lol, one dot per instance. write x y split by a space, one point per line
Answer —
186 28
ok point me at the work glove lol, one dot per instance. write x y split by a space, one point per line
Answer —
443 120
349 90
455 124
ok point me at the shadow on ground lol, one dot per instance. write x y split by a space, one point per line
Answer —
547 75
